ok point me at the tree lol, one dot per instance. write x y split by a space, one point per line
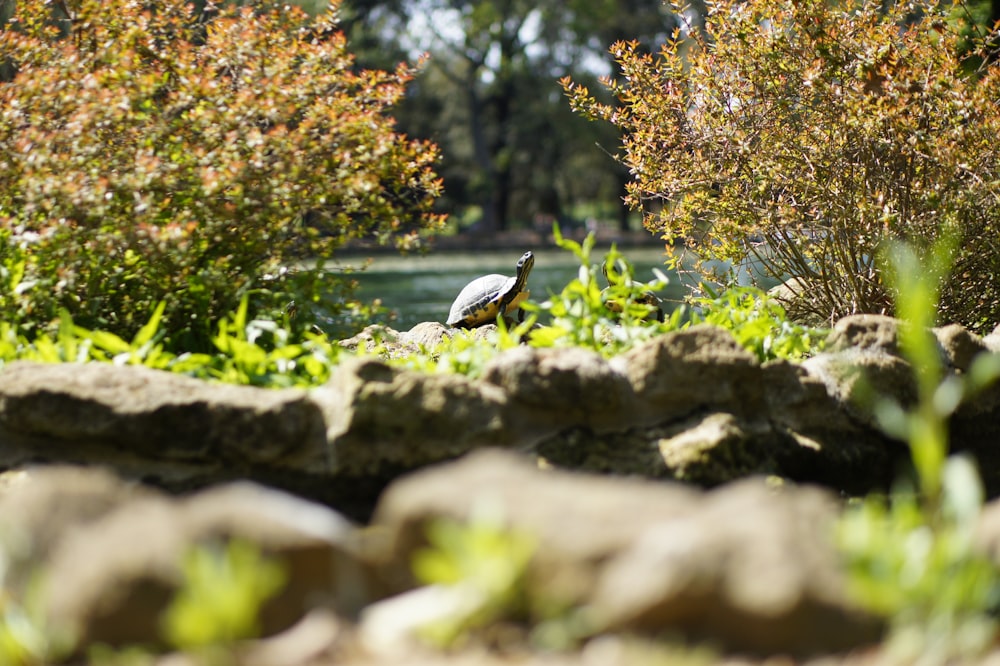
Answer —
489 96
153 156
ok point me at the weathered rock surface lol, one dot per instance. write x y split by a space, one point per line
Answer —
749 567
690 405
561 510
150 422
550 389
112 553
426 334
382 417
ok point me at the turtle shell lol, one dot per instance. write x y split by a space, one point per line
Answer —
479 302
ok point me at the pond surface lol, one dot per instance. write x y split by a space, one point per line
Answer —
422 288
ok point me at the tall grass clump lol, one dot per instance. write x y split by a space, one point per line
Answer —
911 557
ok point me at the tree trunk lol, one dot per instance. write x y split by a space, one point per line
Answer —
501 159
493 156
993 41
482 154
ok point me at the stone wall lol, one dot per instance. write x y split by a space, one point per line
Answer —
594 450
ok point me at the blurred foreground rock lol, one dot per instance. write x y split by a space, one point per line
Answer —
746 567
111 552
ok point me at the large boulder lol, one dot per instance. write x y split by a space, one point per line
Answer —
97 412
111 555
748 566
552 389
700 408
382 419
39 505
701 368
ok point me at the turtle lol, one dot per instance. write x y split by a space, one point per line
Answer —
491 296
622 275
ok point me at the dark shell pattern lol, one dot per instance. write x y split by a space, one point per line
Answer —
479 301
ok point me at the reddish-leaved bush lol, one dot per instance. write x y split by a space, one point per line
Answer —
150 153
803 135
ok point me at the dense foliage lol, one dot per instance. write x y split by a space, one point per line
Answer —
152 155
804 135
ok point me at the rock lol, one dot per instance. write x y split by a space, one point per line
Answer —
109 580
381 419
391 343
959 345
706 411
865 332
371 337
749 568
836 446
746 566
680 373
98 411
39 505
880 334
864 367
559 387
426 335
992 341
632 451
718 448
705 448
975 428
318 635
987 532
579 520
858 378
803 434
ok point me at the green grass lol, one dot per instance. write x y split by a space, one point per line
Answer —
269 353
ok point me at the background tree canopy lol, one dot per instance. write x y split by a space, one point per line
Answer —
513 152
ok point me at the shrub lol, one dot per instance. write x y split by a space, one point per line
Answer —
759 323
804 135
149 153
579 315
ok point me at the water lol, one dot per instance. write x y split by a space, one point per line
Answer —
422 288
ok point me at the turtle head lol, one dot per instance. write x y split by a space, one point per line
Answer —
525 263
